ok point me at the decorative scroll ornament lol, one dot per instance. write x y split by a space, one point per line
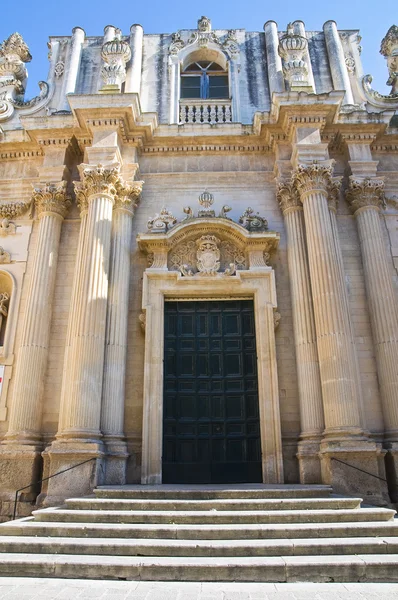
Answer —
59 69
5 257
115 53
287 196
142 320
317 176
252 221
277 319
7 228
292 48
162 221
367 192
128 194
52 198
203 37
350 63
389 49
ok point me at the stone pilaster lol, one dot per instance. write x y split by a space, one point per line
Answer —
79 436
22 442
310 392
366 197
113 393
344 438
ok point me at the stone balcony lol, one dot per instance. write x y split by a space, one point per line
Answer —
205 111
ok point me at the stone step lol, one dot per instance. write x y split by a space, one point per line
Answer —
362 567
201 505
32 527
213 492
215 517
215 548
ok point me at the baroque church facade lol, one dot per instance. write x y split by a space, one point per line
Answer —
199 253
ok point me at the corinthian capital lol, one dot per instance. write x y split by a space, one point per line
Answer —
365 192
287 196
317 177
96 180
52 198
128 194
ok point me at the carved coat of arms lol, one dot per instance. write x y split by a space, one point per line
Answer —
208 255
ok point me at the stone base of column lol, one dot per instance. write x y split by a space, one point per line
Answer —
309 461
20 465
361 454
391 461
115 461
79 481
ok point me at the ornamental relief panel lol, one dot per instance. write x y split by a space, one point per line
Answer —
194 256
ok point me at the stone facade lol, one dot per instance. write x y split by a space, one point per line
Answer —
296 170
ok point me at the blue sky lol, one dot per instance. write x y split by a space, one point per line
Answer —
36 22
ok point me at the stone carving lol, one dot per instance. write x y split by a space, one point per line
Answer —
189 212
162 221
317 176
292 48
287 196
203 37
52 198
142 320
128 194
115 53
277 319
365 192
252 221
223 212
4 299
5 257
11 210
96 180
7 227
389 49
207 258
184 256
14 53
59 69
350 63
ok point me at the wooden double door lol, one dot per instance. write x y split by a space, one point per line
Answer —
211 425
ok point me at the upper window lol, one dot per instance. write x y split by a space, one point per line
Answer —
205 80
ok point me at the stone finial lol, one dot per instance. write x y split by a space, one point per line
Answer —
204 24
317 176
14 53
52 198
128 194
389 49
287 196
365 192
292 48
252 221
115 53
14 47
162 221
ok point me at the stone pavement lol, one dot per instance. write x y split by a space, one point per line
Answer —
29 588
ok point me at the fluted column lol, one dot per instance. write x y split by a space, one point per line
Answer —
344 438
78 436
113 393
52 203
365 196
310 391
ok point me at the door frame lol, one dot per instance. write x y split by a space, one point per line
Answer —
257 284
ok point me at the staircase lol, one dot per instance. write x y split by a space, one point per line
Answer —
205 533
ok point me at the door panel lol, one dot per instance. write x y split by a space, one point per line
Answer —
211 429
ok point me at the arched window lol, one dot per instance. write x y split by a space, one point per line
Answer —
204 80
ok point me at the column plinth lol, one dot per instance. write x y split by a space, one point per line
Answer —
23 440
366 197
344 437
79 436
310 392
113 392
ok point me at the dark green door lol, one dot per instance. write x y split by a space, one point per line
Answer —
211 427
